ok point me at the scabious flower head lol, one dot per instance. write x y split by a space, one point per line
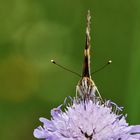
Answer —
87 120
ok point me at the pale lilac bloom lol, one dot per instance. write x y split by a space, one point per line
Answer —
87 120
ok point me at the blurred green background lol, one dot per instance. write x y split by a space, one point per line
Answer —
32 32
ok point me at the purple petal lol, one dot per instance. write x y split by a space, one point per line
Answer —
135 132
56 111
47 124
40 133
135 129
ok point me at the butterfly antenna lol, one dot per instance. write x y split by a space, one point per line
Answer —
109 62
54 62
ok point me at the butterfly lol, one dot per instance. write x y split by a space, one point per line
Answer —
86 88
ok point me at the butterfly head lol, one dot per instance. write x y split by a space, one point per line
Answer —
86 88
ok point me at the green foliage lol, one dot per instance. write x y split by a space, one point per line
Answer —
34 32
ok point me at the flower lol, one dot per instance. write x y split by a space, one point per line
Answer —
87 120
